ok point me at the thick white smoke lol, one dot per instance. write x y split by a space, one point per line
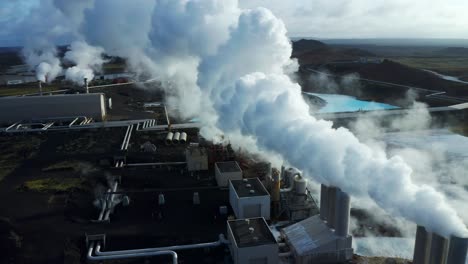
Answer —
229 67
88 59
44 62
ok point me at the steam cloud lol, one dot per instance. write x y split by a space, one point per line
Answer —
230 67
88 60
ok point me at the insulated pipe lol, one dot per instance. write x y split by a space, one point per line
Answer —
439 249
134 255
169 138
40 87
457 250
331 206
222 240
86 85
421 247
323 202
342 213
111 201
183 138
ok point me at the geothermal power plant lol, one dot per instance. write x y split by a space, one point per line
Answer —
262 214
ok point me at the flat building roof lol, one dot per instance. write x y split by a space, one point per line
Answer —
249 187
251 232
228 166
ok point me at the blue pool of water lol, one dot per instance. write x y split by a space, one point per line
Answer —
344 103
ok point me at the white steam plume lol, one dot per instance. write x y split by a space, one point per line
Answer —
44 62
88 59
230 67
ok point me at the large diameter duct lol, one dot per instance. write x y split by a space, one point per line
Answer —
342 213
176 138
331 206
169 138
323 202
439 249
421 246
183 138
457 250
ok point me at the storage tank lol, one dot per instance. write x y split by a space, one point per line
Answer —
169 137
27 108
300 185
183 138
175 139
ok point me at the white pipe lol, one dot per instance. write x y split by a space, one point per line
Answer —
220 242
156 164
111 200
133 255
125 137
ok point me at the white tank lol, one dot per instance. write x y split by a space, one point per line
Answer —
289 175
169 138
300 184
183 138
175 139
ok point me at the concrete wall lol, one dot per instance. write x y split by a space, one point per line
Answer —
13 109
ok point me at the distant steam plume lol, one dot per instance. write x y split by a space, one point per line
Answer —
88 60
230 67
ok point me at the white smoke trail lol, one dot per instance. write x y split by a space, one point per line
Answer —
88 59
230 67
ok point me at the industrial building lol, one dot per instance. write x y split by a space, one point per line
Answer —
252 242
225 171
37 108
249 198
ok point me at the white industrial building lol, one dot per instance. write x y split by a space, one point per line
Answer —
196 158
252 242
249 198
28 108
225 171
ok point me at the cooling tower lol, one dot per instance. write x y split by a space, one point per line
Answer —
457 250
342 208
331 206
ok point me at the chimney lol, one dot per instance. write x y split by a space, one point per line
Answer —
39 83
342 207
439 249
86 85
457 250
422 245
331 206
323 202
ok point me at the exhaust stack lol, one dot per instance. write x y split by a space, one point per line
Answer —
323 202
39 83
457 250
421 247
332 191
86 85
342 208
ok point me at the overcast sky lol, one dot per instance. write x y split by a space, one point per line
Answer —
326 18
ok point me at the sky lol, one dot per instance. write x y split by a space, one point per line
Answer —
322 18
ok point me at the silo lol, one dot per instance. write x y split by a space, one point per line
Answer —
331 206
439 249
421 246
342 213
300 185
323 202
457 250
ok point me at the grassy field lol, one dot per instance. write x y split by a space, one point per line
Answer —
54 185
15 150
19 90
448 65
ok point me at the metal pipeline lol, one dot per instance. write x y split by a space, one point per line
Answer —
130 255
111 200
222 240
